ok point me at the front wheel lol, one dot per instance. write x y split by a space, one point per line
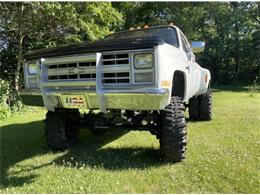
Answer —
61 128
173 134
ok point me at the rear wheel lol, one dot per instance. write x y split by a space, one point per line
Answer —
61 128
206 105
194 108
173 134
200 107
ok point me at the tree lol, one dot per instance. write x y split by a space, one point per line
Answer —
230 30
29 21
38 24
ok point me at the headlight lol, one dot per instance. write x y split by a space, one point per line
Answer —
33 81
144 77
33 68
143 60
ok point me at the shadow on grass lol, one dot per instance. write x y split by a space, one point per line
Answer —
19 142
89 152
24 141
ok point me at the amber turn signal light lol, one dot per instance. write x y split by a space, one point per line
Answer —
206 78
165 83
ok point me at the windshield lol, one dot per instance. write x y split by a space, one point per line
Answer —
167 33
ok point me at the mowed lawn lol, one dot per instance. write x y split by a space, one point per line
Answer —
223 156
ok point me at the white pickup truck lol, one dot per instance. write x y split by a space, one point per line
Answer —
142 79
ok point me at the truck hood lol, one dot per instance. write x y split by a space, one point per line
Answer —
96 46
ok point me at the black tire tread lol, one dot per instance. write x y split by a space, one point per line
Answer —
60 131
206 106
173 135
55 131
194 108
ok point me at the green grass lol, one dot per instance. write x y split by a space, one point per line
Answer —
223 156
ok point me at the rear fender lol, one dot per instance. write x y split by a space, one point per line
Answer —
204 81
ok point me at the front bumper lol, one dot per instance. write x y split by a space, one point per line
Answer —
148 99
31 97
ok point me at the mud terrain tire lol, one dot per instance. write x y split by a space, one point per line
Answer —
173 134
61 129
206 106
194 108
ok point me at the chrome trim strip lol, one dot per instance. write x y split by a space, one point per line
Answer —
105 92
115 68
68 84
68 59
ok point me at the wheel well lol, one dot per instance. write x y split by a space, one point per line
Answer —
178 84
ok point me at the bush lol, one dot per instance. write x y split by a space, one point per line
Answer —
4 93
9 100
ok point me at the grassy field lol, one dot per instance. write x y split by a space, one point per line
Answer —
223 156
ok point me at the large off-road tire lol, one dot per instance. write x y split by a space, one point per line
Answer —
61 129
206 105
173 134
194 108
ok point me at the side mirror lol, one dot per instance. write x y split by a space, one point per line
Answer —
197 46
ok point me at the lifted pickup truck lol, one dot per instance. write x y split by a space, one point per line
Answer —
139 78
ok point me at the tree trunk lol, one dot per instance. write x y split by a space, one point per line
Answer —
237 69
237 47
20 45
19 63
258 58
259 73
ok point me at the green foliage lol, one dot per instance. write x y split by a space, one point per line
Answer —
9 101
48 24
96 20
4 94
230 29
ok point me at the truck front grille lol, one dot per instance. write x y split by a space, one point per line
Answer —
72 71
72 77
115 59
121 77
116 68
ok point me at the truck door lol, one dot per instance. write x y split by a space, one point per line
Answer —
190 66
